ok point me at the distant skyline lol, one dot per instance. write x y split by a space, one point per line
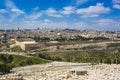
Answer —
73 14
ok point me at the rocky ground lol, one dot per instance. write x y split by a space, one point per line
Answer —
61 71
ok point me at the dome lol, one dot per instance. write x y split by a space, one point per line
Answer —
59 34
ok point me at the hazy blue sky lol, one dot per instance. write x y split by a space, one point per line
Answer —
78 14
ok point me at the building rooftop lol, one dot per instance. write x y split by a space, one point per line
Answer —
78 69
28 42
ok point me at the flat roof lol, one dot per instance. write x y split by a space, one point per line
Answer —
28 42
78 69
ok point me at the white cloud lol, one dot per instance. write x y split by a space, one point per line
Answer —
116 4
3 11
102 21
78 2
55 15
93 11
68 10
46 23
13 11
106 24
34 16
18 11
100 24
11 6
52 12
37 14
89 15
47 20
116 1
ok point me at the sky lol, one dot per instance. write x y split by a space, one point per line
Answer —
73 14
